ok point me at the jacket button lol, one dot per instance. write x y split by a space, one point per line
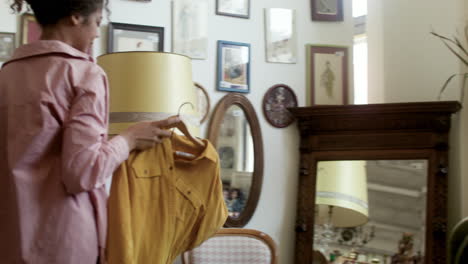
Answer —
146 171
170 167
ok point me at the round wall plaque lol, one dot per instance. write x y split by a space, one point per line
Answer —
275 103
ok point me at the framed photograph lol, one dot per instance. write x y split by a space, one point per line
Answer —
7 45
190 28
327 75
203 102
275 103
234 8
327 10
129 37
280 35
233 66
30 29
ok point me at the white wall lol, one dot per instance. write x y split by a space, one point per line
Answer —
415 65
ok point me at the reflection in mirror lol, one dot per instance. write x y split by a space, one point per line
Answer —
374 209
236 153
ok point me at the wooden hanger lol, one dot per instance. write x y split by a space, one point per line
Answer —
183 128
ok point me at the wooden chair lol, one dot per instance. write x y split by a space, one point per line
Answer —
234 246
458 243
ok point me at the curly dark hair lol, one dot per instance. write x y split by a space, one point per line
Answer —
49 12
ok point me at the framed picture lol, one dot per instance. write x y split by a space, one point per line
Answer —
203 102
7 45
190 28
327 75
129 37
233 66
280 35
234 8
30 29
327 10
275 103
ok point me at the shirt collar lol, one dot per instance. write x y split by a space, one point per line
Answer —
209 152
43 47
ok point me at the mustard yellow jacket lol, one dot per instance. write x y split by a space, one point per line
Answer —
161 205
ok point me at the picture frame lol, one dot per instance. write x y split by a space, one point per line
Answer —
7 45
30 29
233 68
276 102
327 75
280 35
203 102
327 10
190 28
130 37
233 8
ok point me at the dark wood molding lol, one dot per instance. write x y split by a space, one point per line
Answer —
372 132
257 177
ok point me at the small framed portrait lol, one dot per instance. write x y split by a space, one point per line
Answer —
327 10
190 28
327 75
276 102
129 37
233 66
203 102
280 35
7 45
234 8
30 29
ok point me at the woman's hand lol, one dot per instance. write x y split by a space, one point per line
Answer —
144 135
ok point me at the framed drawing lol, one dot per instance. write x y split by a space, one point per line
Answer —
30 29
327 75
234 8
203 102
327 10
275 103
233 66
7 45
129 37
280 35
190 28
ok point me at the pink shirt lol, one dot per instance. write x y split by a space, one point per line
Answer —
54 155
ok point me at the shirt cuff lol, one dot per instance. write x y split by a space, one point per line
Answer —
121 148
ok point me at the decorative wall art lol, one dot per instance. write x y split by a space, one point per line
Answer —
327 10
129 37
30 29
7 45
234 8
190 28
280 35
327 75
275 103
233 66
203 102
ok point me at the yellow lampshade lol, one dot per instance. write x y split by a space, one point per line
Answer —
343 185
148 86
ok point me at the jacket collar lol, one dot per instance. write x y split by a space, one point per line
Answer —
44 47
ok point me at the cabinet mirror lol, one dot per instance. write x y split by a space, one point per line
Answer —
376 207
235 132
373 178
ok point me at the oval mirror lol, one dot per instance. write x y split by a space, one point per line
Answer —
235 132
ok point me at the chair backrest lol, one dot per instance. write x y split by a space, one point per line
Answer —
234 246
458 243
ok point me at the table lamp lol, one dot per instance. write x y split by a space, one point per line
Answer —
148 86
341 197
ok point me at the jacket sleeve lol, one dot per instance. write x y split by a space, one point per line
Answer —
216 212
88 158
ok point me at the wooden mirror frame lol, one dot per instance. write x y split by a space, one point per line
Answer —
373 132
257 176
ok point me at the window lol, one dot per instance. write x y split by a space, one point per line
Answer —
360 52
